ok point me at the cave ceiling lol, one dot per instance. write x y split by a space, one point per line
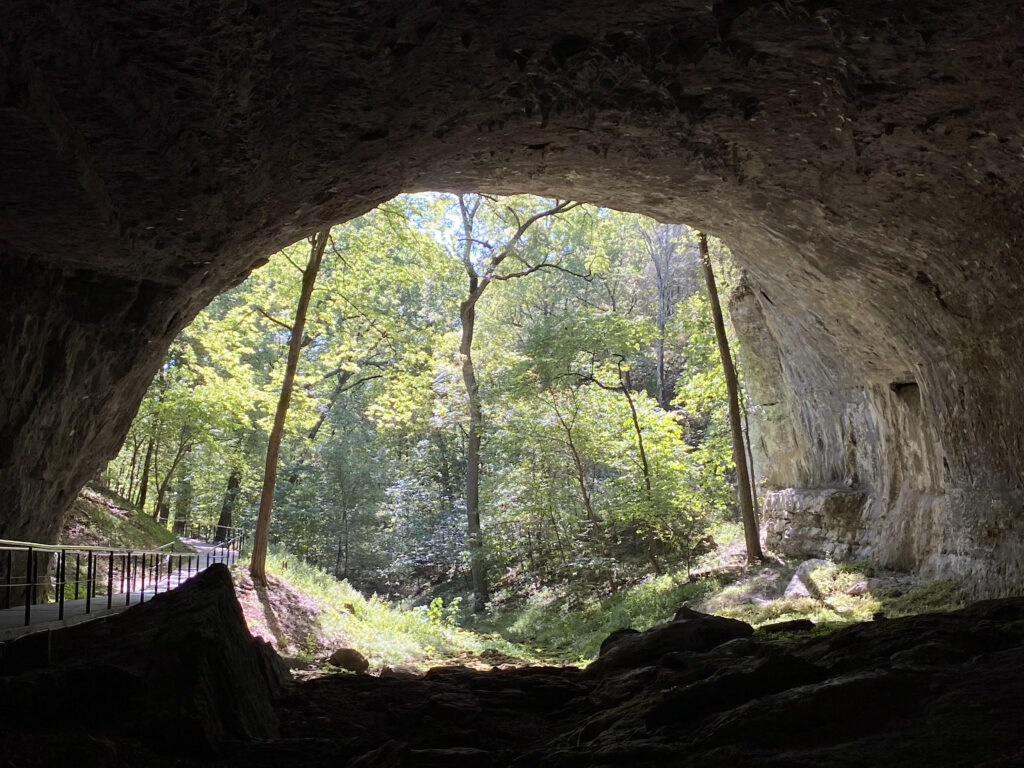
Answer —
864 160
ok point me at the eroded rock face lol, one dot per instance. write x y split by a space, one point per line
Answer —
939 689
861 471
863 160
180 674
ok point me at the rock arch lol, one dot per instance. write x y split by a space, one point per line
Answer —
864 159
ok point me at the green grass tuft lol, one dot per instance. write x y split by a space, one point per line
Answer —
573 630
385 633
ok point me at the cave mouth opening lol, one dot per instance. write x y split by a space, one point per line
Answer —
591 317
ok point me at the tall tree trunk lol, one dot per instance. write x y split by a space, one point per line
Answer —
750 460
467 313
227 507
478 283
739 453
182 506
144 480
577 462
346 553
258 564
161 513
337 556
644 466
661 247
133 465
662 393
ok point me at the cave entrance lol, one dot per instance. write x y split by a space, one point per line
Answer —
588 367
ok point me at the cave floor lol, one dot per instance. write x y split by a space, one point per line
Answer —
940 689
179 681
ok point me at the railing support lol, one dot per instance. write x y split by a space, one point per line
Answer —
28 587
110 580
151 564
61 565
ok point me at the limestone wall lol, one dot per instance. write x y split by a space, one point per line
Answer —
862 472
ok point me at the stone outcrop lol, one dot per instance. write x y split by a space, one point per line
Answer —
179 674
350 659
692 631
863 159
939 689
860 471
179 682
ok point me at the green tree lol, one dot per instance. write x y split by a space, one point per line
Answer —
483 262
739 454
257 565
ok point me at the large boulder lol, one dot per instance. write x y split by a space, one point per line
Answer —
690 631
180 672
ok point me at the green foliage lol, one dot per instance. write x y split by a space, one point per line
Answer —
386 634
942 595
750 598
97 519
586 480
574 629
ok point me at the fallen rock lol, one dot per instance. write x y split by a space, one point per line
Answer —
732 686
796 625
400 672
918 692
802 585
350 659
887 584
615 637
693 631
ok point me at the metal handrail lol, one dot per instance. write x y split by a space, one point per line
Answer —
6 544
109 571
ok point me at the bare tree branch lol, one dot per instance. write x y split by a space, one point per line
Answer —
289 258
560 206
545 265
273 319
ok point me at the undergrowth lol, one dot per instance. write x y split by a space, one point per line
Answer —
567 626
563 625
96 519
386 634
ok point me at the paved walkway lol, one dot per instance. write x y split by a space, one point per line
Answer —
45 615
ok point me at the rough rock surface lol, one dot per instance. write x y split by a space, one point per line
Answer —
180 673
931 690
350 659
940 689
801 584
863 158
692 631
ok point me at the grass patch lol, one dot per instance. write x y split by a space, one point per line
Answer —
572 629
416 637
944 595
562 626
97 520
842 594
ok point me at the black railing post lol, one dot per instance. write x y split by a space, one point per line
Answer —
156 579
28 587
78 571
131 578
142 587
88 581
10 576
61 565
110 580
